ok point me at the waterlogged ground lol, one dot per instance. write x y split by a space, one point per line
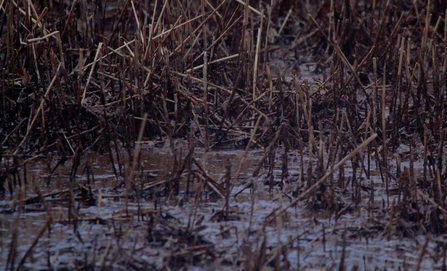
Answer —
226 209
158 231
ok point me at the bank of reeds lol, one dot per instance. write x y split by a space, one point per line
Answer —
80 76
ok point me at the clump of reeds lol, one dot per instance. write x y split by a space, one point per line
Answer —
81 77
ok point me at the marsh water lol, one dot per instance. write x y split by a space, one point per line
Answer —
192 231
301 82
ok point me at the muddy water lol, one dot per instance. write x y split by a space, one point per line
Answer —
157 230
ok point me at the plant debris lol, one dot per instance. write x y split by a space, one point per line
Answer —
324 123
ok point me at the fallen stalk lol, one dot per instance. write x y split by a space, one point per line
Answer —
276 213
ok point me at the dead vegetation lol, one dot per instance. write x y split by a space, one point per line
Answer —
356 89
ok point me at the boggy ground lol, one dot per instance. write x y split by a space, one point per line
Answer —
287 135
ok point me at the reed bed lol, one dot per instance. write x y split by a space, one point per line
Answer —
354 88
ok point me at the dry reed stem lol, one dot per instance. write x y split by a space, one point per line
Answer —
223 59
422 251
36 240
384 138
256 62
252 140
96 59
136 157
250 7
39 110
281 211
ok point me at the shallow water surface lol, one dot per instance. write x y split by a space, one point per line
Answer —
150 228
